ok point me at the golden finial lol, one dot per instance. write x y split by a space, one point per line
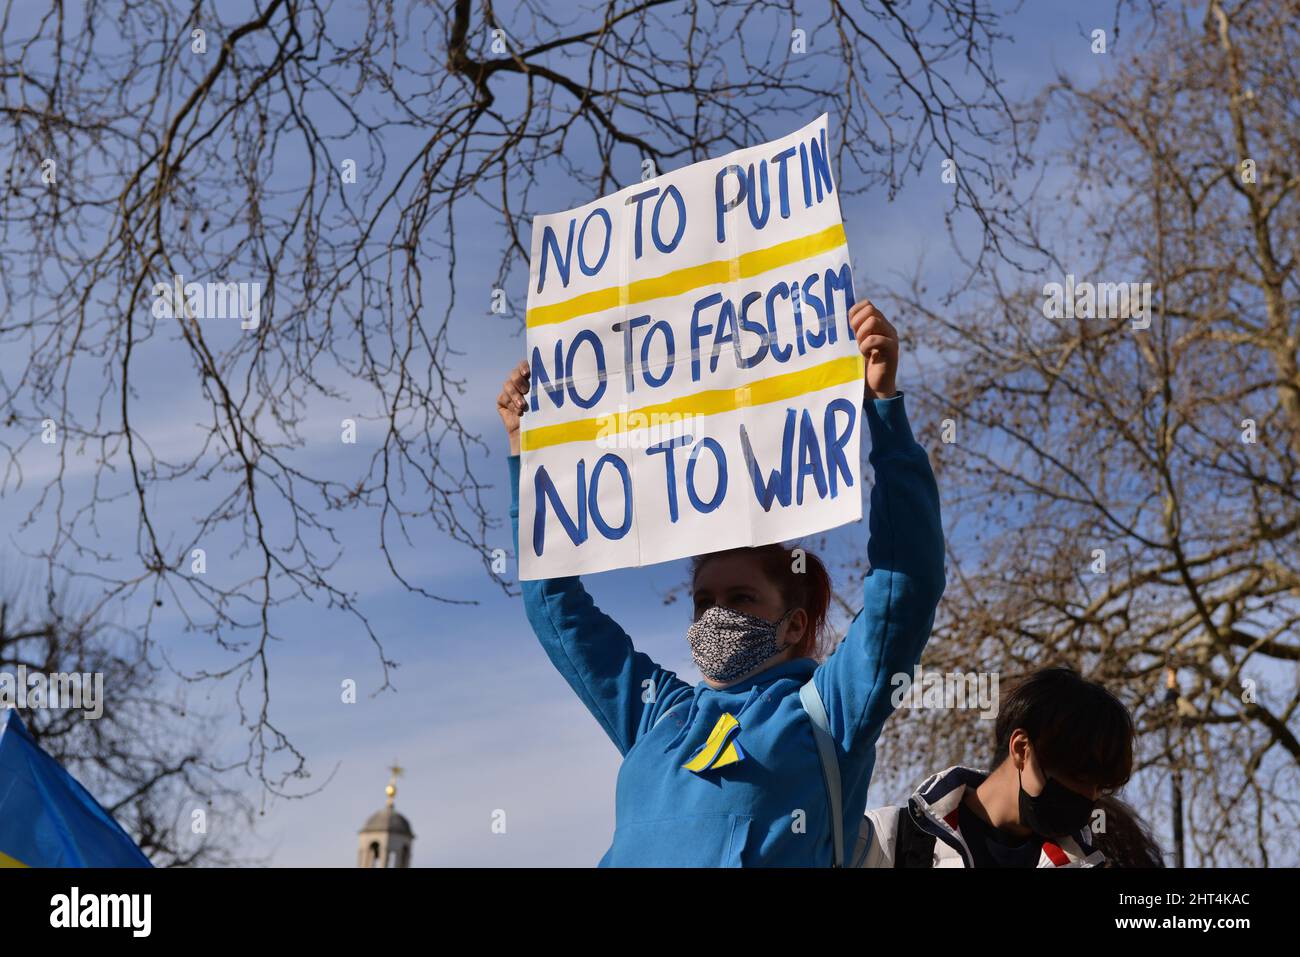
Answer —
391 790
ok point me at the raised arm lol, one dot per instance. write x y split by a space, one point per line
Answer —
905 554
624 689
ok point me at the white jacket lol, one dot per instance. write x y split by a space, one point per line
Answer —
934 805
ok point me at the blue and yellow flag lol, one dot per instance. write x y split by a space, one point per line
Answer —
47 819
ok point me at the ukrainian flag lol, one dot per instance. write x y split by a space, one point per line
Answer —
47 819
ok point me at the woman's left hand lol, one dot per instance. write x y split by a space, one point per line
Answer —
878 341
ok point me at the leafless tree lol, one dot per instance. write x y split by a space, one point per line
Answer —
1174 449
150 138
136 748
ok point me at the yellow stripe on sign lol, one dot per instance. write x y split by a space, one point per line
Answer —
7 861
775 388
683 280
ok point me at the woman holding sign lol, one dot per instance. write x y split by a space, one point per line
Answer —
761 762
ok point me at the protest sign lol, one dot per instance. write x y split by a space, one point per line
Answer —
695 384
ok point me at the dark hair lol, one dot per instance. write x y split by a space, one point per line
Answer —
1126 840
1076 726
808 588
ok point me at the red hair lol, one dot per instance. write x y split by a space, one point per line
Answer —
799 576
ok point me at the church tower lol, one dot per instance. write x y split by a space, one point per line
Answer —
386 839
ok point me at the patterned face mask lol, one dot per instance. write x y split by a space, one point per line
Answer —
727 643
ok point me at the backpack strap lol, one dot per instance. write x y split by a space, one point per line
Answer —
866 837
913 847
812 703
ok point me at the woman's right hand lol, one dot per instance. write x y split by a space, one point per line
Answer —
511 402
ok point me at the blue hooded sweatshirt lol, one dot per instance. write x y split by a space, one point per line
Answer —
770 807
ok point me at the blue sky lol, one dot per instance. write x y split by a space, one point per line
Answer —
479 719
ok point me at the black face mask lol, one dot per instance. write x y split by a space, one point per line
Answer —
1057 812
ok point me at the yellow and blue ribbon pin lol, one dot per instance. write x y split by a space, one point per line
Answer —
721 748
